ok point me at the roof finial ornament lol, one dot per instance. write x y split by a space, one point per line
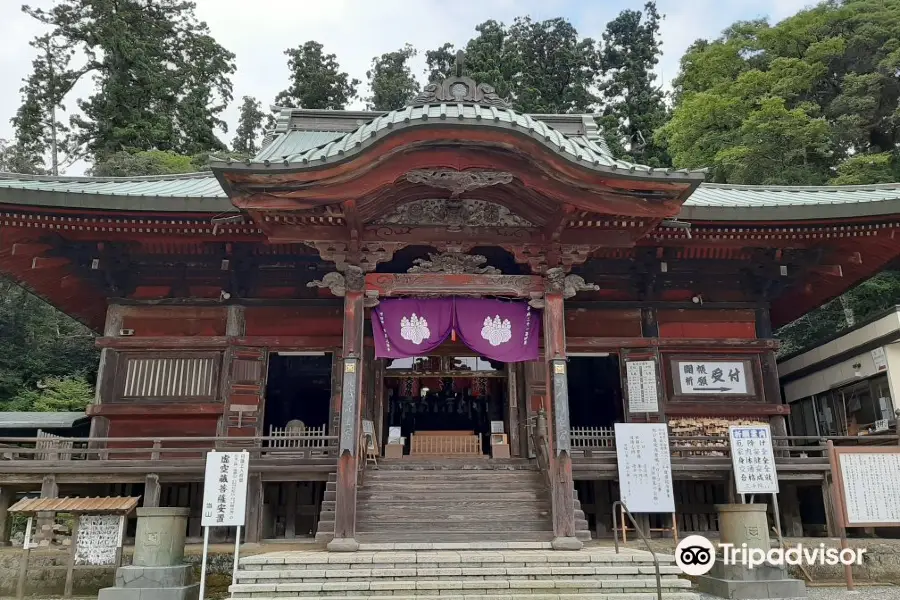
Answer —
459 88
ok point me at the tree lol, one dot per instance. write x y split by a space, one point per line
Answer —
12 160
150 162
440 62
38 128
250 126
316 80
558 69
160 80
833 70
634 106
491 59
37 342
56 394
391 80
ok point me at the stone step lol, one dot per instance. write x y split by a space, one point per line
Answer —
468 526
427 505
449 495
454 536
475 586
312 573
466 475
469 552
429 487
497 595
453 464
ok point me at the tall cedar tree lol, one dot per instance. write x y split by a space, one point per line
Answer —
633 103
161 81
558 69
250 125
39 132
391 80
542 66
316 80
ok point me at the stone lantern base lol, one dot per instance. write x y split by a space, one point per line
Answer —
747 524
158 572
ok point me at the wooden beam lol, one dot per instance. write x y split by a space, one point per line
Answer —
49 262
833 270
29 249
557 222
390 284
715 409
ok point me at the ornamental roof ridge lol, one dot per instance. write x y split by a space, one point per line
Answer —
5 175
459 88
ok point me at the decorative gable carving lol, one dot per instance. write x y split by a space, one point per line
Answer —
454 214
455 263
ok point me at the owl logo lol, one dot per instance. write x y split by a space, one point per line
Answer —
414 329
496 331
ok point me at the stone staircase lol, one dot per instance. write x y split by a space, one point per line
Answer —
498 571
450 501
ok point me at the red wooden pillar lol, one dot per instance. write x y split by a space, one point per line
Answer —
562 487
351 386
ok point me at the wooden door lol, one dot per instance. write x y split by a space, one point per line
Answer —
245 390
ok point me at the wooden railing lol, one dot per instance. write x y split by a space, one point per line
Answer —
446 444
589 439
162 449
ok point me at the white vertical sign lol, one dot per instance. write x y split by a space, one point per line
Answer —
642 391
753 459
645 468
871 487
225 489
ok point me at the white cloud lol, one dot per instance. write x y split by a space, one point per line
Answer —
356 30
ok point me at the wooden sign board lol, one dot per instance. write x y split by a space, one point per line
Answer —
645 468
867 482
643 396
753 459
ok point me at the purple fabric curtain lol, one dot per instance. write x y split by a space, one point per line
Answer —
504 331
404 327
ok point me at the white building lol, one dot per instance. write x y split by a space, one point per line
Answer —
846 385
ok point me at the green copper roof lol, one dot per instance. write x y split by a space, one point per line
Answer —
201 193
286 153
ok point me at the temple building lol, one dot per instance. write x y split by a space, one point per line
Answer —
477 289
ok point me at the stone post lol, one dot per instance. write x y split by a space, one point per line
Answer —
748 524
158 568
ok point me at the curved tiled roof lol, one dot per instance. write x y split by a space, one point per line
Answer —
578 149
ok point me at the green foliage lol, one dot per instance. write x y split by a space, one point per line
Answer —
634 106
38 130
250 126
865 300
557 67
391 80
160 80
13 160
542 66
56 394
440 62
150 162
38 343
794 102
316 80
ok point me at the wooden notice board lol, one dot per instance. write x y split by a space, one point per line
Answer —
867 485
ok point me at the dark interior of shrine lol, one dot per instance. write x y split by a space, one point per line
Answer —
445 393
595 391
298 389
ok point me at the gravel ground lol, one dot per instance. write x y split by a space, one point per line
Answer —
838 592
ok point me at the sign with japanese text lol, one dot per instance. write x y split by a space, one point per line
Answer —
753 459
225 489
645 468
713 377
871 487
642 388
880 360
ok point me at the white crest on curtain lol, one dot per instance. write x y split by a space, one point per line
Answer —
496 331
414 329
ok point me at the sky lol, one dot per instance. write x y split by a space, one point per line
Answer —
259 31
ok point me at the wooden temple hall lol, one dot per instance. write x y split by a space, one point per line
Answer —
423 324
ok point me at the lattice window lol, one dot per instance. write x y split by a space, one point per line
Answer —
171 378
